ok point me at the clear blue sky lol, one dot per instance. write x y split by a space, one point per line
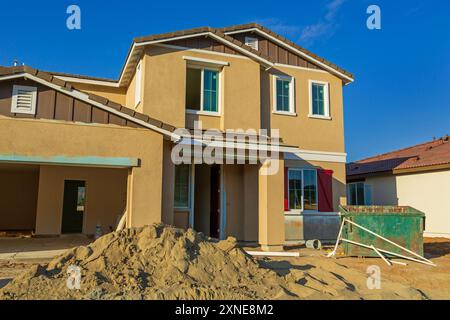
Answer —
401 95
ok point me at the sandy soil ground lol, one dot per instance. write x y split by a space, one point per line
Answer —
431 282
313 276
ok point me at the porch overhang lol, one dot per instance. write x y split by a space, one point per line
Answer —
90 161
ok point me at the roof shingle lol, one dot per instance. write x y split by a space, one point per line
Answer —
431 153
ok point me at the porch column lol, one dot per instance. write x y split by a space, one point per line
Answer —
145 195
271 205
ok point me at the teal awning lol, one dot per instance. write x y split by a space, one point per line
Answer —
91 161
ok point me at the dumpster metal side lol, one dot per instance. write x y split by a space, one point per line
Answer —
400 224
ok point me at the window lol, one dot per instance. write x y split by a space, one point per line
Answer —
202 89
251 42
24 100
302 189
182 186
81 198
137 90
359 194
284 94
319 101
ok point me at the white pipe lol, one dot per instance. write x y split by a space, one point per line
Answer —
398 262
275 254
391 242
332 253
388 252
381 256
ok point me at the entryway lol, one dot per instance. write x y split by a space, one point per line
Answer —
207 199
73 206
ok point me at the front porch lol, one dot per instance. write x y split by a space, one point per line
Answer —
236 200
48 199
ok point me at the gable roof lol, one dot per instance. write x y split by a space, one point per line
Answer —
267 33
415 158
53 82
221 35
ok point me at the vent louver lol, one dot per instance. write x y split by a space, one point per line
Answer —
24 100
252 42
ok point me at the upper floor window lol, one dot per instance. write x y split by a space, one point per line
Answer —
359 194
319 99
284 94
302 189
202 89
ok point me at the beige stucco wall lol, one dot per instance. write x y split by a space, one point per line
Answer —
271 235
165 87
105 197
54 138
18 197
384 190
116 95
428 192
301 130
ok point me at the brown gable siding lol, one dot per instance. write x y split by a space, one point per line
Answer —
203 43
276 52
53 105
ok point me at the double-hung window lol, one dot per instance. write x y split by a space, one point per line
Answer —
302 189
284 94
202 89
182 186
319 99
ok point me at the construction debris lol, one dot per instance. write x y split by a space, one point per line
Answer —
418 258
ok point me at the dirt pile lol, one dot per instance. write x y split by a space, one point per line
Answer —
162 262
153 262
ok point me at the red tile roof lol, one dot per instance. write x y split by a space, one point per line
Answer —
432 153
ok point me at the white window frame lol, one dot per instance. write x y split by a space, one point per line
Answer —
291 80
14 108
190 192
138 85
298 211
326 100
251 39
219 91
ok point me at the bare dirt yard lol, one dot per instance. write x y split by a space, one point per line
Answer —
346 277
160 262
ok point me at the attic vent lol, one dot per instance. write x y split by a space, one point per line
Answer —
24 100
251 42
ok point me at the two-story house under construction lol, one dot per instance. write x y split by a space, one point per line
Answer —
79 151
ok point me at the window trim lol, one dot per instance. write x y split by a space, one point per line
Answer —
219 91
190 184
326 85
138 84
14 108
302 210
292 111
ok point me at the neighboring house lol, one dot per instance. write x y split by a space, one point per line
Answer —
418 176
78 151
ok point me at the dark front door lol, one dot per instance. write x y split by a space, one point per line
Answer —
215 202
73 206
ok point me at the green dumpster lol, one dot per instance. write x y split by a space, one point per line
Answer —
400 224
